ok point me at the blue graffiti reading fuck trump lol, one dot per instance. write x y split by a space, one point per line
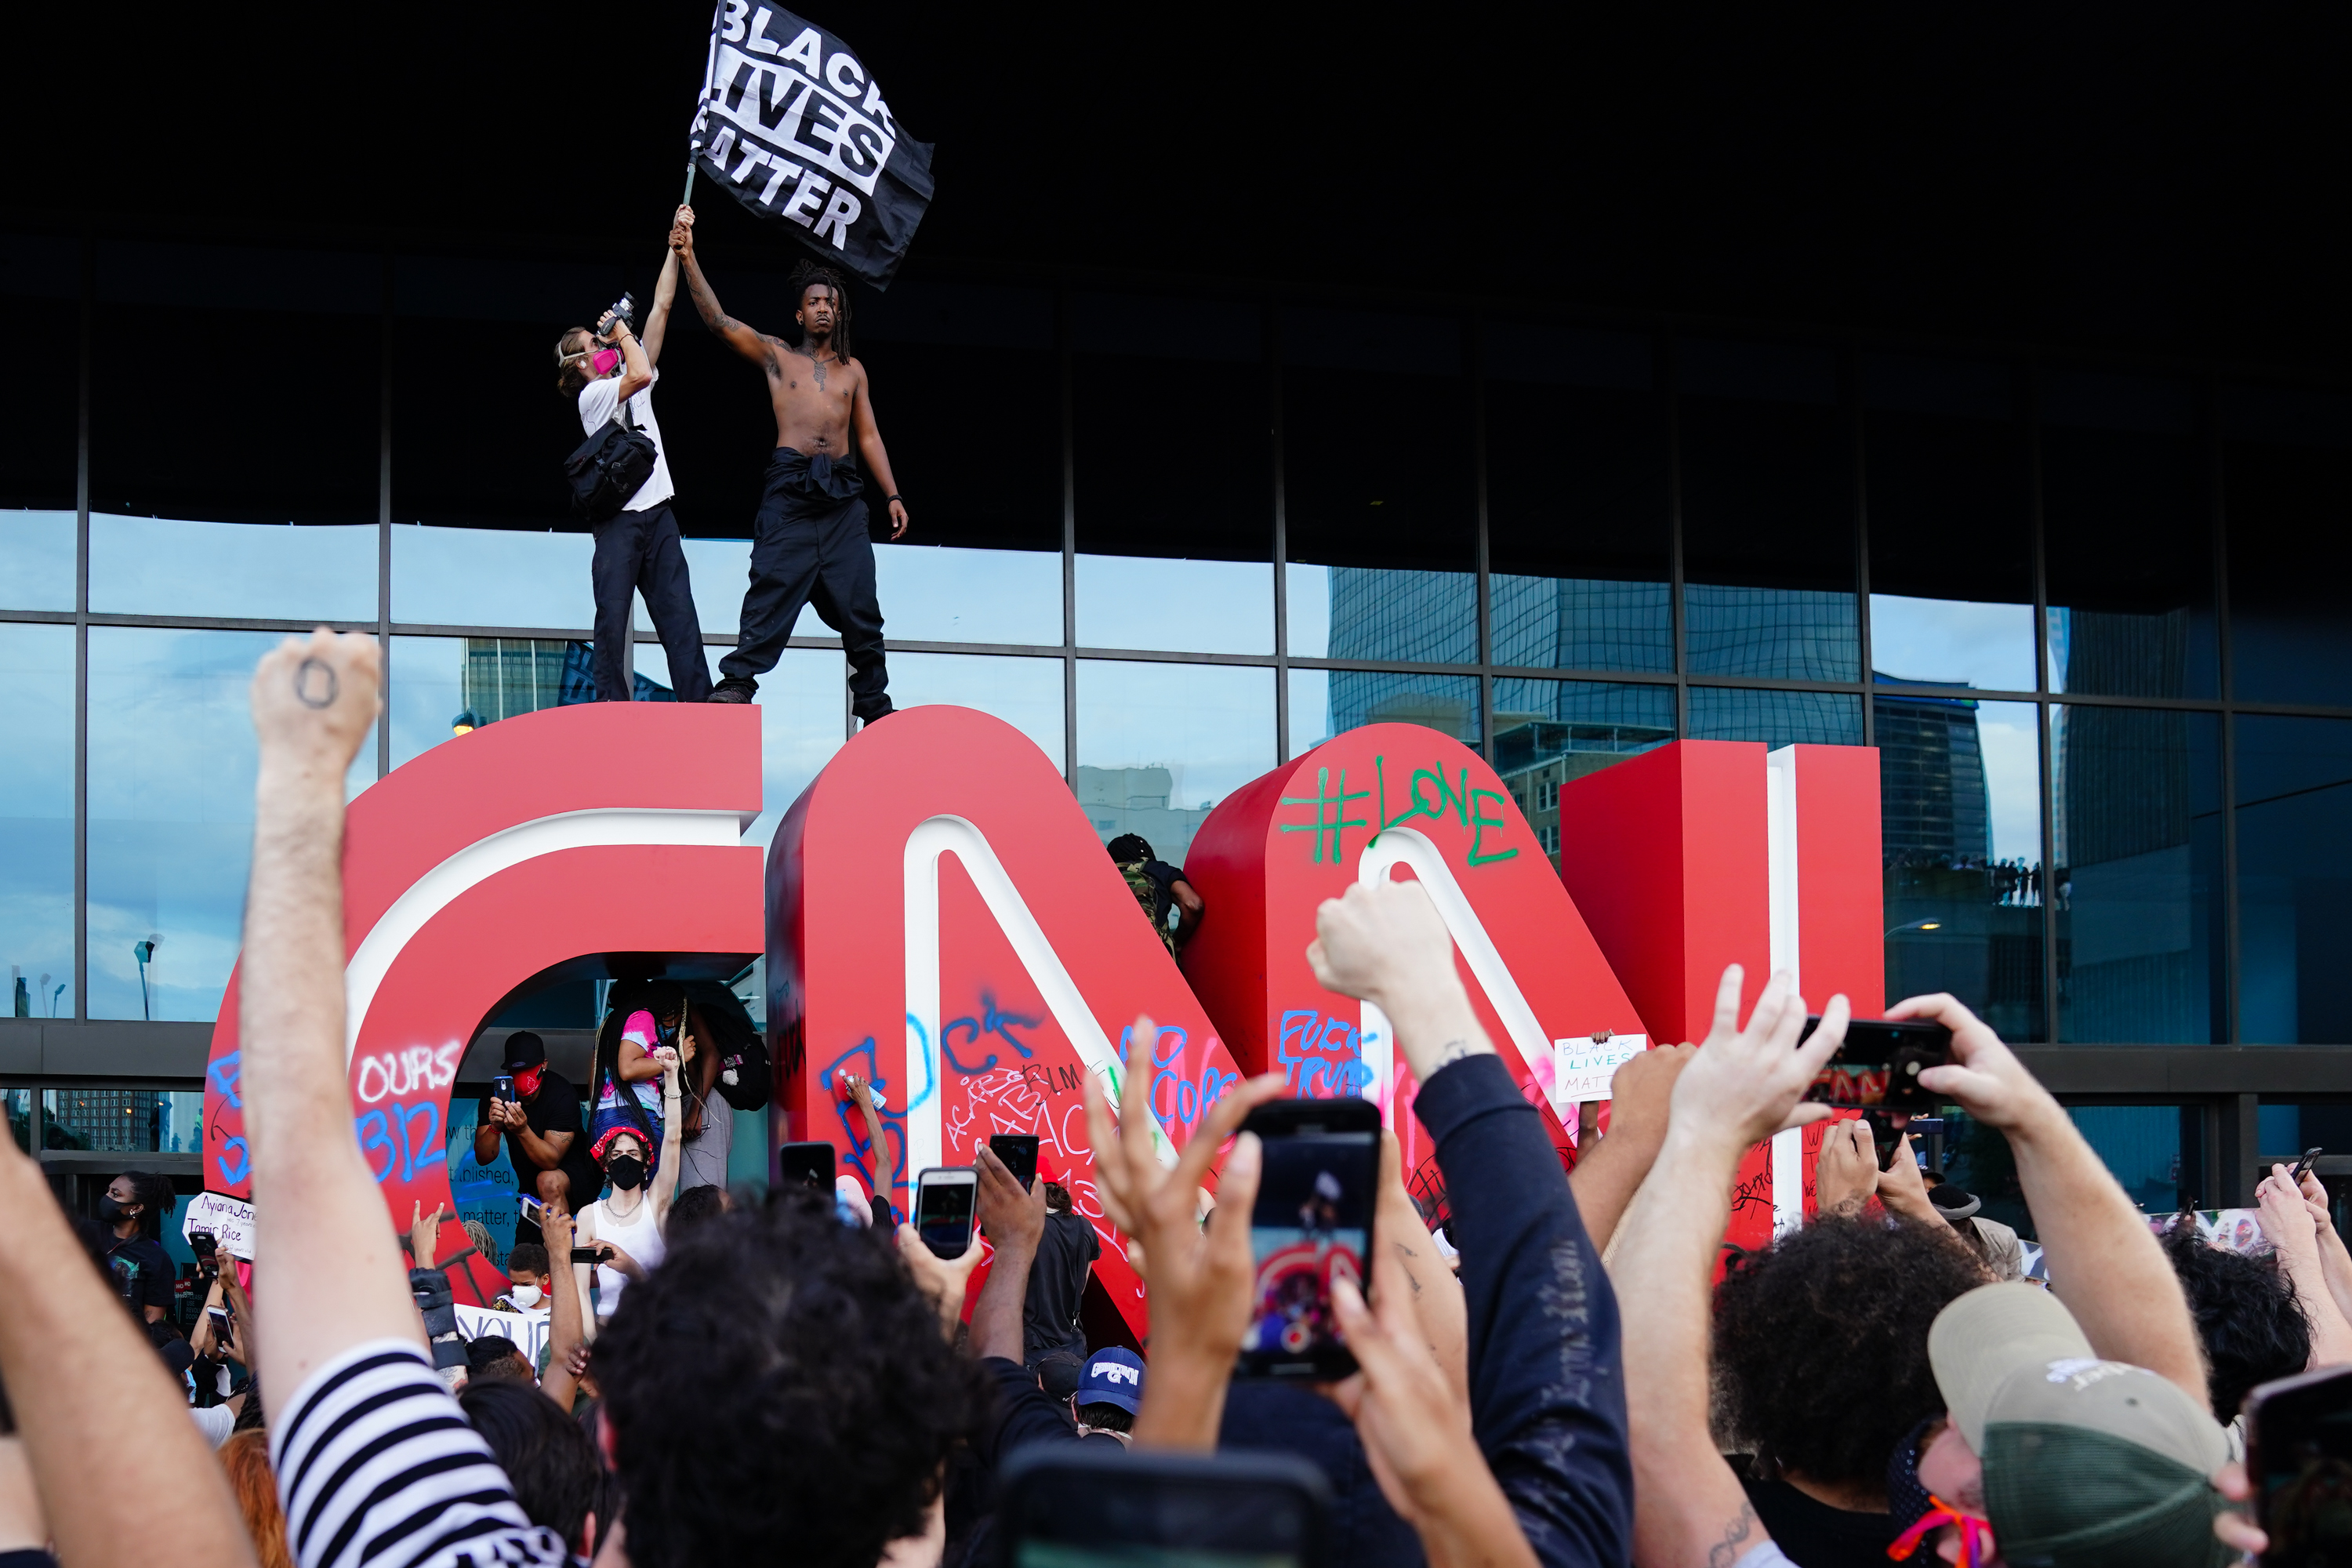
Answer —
1323 1058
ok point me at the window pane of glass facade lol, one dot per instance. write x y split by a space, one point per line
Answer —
155 566
2287 464
288 426
1952 541
1172 454
932 594
36 560
2144 1147
1767 513
1378 485
491 577
1176 607
40 294
1776 718
2128 551
936 354
171 815
1961 830
441 685
2295 879
1026 693
1160 744
1549 732
1326 702
1576 499
718 570
803 717
36 819
2137 875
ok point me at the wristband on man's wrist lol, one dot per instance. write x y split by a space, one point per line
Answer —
888 498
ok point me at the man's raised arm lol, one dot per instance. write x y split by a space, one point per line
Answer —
738 337
314 701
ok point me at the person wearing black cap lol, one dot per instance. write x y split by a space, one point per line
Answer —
1989 1239
542 1127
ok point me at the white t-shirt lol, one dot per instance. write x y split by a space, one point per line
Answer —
599 401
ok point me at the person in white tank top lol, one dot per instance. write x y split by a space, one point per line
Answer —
626 1225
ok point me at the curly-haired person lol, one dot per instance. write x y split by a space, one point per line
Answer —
1820 1369
2248 1316
780 1378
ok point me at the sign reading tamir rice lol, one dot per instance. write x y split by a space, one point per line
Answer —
793 127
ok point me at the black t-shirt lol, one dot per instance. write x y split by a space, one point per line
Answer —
1057 1283
554 1109
143 1273
1815 1534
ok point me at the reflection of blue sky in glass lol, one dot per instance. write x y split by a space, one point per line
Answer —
2007 735
1026 693
427 691
172 760
1324 703
933 593
1179 607
36 795
1988 646
1210 726
36 560
801 717
491 577
1311 711
156 566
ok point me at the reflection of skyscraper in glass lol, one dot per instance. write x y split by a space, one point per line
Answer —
1934 805
1418 617
1581 622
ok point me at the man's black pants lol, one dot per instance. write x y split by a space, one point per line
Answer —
638 551
809 547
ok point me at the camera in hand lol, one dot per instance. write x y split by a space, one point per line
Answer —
624 309
1877 1064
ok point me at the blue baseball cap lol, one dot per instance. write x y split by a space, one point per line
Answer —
1114 1376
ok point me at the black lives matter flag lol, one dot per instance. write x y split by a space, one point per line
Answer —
796 129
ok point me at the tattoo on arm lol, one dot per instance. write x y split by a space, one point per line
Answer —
1410 1278
1736 1539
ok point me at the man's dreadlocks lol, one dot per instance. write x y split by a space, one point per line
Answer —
808 272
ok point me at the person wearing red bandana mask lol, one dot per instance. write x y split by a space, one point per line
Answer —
542 1129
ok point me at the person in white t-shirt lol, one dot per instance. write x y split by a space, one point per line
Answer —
639 550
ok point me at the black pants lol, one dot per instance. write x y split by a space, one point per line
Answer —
809 547
638 551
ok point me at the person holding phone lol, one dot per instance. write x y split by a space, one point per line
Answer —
1057 1279
538 1118
626 1225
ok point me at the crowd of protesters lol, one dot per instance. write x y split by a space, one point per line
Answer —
1572 1375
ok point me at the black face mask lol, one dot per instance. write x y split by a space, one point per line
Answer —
108 1210
626 1171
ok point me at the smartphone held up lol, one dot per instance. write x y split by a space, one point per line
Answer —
1877 1064
1311 1227
946 1208
2299 1461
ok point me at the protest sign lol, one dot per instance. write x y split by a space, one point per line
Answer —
791 124
230 1221
1582 1067
527 1329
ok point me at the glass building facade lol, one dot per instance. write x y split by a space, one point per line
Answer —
2086 617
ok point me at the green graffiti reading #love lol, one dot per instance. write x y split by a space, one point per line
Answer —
1332 821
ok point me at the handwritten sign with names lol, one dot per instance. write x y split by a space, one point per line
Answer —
230 1220
1583 1067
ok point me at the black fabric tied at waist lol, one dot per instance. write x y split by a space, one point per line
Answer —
814 472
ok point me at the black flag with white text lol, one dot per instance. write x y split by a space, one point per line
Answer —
793 127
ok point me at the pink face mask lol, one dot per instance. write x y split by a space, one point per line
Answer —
603 361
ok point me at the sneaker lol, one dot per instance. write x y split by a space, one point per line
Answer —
734 689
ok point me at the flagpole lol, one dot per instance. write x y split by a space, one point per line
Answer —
688 200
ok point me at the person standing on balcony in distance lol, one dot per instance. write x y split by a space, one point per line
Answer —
637 550
808 543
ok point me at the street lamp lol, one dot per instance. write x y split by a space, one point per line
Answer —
1916 925
466 724
142 952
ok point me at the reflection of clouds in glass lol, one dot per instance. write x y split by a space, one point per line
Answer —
1988 646
171 764
428 692
491 577
37 872
36 560
1306 596
1026 693
156 566
1311 710
933 593
1180 606
1214 724
2006 733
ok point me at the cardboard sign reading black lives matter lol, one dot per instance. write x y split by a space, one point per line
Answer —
793 127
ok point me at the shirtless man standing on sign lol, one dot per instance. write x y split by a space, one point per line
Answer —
808 543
